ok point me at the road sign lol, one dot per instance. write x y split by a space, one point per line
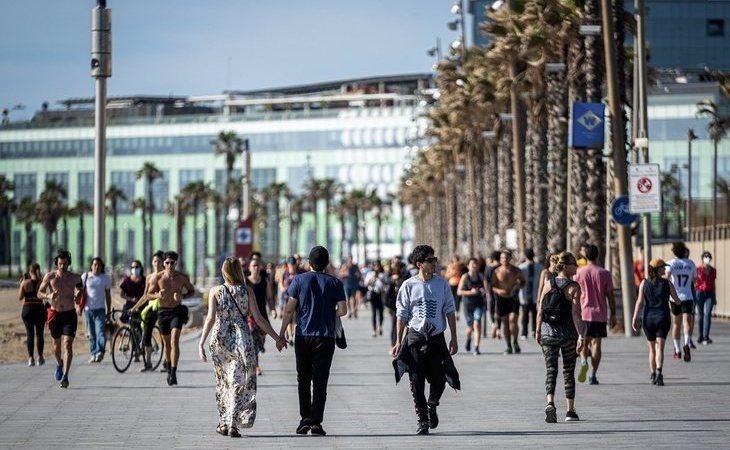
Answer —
620 211
645 190
244 237
588 124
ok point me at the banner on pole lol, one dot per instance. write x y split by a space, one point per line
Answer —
588 123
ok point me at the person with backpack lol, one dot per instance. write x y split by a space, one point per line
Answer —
560 329
655 293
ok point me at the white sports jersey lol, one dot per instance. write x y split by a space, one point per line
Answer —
682 273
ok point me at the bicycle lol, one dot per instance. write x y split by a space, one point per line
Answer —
128 345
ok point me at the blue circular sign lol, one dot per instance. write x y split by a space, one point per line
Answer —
620 211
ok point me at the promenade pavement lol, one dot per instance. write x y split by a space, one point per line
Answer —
501 404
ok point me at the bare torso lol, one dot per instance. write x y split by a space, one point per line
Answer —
506 280
169 288
62 287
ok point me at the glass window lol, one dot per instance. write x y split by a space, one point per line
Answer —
260 178
188 176
220 178
86 186
124 181
25 186
60 178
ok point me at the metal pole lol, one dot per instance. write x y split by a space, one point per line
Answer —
101 53
714 199
688 211
643 118
620 175
246 209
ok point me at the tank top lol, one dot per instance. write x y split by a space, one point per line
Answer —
471 284
656 298
32 295
259 291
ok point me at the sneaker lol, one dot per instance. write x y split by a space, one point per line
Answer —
93 359
433 418
64 382
422 428
653 378
100 357
467 345
476 351
707 341
317 430
677 355
516 346
523 338
701 340
692 344
165 366
508 351
687 355
31 362
550 414
593 380
374 334
58 374
571 416
583 372
147 368
659 379
303 427
41 361
380 331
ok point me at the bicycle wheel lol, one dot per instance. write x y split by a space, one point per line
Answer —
157 348
122 346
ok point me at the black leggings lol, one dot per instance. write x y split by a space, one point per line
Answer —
551 352
377 303
34 318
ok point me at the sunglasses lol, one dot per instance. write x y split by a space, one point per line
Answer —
135 267
170 263
431 259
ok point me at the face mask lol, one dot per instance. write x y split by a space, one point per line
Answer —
136 271
706 260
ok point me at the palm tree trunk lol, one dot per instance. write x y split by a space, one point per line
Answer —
557 143
205 240
82 237
506 185
491 213
343 241
28 246
327 240
473 208
194 265
115 238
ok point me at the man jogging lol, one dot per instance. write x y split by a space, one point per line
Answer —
506 282
317 298
424 305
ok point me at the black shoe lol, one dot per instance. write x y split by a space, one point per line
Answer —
659 379
317 430
171 379
147 367
653 378
433 418
467 345
550 414
165 366
303 427
571 416
422 428
508 351
692 345
516 347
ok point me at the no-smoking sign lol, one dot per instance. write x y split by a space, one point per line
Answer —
645 189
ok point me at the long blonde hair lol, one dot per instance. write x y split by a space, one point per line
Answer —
232 271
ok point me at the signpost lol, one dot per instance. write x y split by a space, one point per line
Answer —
244 237
645 191
621 213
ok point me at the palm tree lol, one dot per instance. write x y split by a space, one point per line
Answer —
25 213
357 198
49 210
113 196
312 191
328 188
82 208
196 194
379 208
296 210
723 188
6 204
140 204
150 173
178 208
230 145
671 201
272 195
717 128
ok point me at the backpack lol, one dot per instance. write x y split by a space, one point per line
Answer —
556 308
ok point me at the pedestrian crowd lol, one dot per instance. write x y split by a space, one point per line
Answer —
566 303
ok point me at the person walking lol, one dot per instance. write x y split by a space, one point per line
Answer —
655 294
506 282
33 312
232 349
531 271
424 307
98 285
350 275
398 275
682 272
706 299
560 330
62 289
454 272
494 319
377 282
260 288
472 288
317 298
596 300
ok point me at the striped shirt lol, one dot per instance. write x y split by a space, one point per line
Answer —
421 303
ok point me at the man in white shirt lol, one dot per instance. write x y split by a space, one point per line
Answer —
98 286
682 272
424 305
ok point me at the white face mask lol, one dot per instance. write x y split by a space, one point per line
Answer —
706 260
136 271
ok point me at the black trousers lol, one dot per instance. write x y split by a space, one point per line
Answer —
528 318
427 365
34 318
314 359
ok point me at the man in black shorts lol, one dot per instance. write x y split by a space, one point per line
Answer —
168 286
506 282
63 290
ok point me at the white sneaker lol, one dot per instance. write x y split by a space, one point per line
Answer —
93 359
31 362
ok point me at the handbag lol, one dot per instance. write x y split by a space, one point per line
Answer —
340 340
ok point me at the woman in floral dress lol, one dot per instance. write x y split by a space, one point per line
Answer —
231 349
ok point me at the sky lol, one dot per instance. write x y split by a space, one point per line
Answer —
203 47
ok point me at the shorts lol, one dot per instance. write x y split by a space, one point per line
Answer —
169 318
350 291
687 307
656 327
473 310
283 298
64 324
507 306
596 329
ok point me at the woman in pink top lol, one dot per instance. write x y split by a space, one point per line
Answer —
706 299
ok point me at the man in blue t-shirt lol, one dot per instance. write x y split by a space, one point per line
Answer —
317 298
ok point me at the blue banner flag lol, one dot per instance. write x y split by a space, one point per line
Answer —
588 125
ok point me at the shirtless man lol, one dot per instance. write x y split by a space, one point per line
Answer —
167 286
506 282
63 290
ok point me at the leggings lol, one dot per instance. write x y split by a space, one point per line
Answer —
377 304
551 352
34 318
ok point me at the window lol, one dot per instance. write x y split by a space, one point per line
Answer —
86 187
160 191
188 176
715 27
260 178
25 186
220 178
165 238
60 178
124 181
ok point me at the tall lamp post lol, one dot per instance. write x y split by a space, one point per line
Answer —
691 136
101 69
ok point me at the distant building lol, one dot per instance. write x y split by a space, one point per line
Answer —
477 9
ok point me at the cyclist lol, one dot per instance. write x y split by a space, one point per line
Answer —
149 313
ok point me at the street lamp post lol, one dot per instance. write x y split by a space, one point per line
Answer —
101 69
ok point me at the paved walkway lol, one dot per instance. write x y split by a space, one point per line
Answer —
500 405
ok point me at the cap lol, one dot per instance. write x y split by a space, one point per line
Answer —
657 263
291 260
319 257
